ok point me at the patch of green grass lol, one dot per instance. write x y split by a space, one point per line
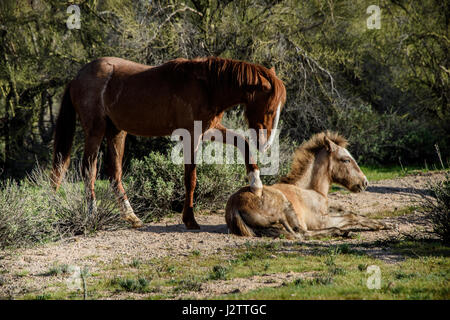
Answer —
219 272
392 213
327 272
21 273
376 173
189 284
420 248
411 279
136 263
320 280
139 285
57 270
44 296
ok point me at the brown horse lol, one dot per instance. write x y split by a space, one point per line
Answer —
298 206
113 97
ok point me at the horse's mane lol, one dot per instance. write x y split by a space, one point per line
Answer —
221 72
307 151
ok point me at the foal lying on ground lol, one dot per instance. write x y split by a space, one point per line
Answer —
297 206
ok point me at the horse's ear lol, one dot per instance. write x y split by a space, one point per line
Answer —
330 146
273 70
265 84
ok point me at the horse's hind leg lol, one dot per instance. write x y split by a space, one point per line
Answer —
93 138
116 144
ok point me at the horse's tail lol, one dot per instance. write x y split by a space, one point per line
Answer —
62 143
236 223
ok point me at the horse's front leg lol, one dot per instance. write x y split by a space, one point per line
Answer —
238 141
190 181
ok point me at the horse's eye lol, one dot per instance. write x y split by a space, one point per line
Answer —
345 160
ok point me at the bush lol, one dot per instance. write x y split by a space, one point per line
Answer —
69 206
382 138
437 209
31 211
156 184
21 222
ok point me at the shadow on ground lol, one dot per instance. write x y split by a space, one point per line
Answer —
180 228
384 189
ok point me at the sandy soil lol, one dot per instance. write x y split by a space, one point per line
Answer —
21 269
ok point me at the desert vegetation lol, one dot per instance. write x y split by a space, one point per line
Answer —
385 89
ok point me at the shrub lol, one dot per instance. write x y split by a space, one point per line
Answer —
31 211
437 208
140 285
219 273
156 184
381 138
69 206
21 222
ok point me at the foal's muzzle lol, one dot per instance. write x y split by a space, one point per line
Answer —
360 187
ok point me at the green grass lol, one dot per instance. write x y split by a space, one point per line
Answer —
57 270
139 285
377 173
344 276
392 213
418 281
326 272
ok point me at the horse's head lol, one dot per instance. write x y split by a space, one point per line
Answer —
343 168
263 107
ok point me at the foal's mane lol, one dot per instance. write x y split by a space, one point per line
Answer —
307 151
221 72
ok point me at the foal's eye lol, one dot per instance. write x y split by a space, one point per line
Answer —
345 160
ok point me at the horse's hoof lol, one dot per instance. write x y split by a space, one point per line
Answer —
135 221
192 225
137 224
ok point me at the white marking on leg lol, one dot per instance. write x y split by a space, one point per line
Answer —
274 129
255 181
127 206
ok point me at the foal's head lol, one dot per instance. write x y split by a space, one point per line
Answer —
343 169
324 159
263 106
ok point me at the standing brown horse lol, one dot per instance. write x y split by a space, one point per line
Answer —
298 206
113 97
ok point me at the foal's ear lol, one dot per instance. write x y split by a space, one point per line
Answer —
330 146
273 70
265 84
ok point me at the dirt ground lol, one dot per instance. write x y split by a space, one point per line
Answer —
21 269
